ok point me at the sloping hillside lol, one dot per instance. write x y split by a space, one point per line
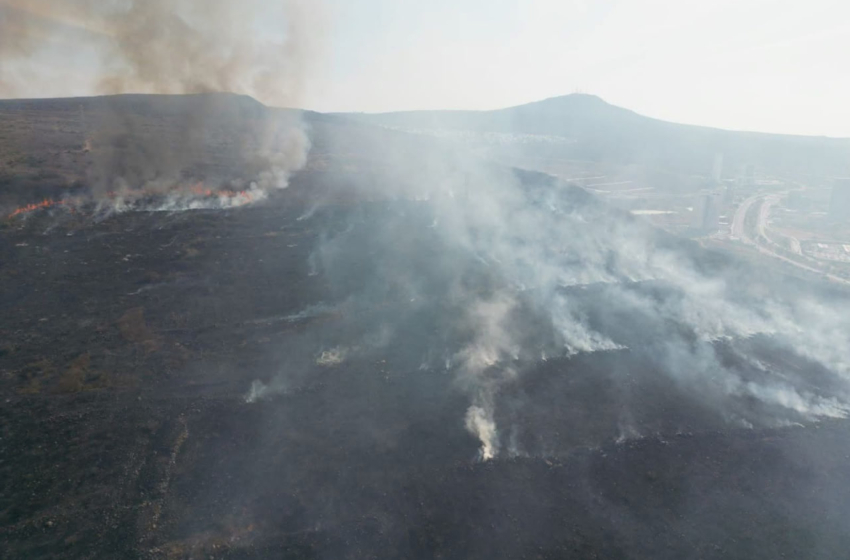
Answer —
56 147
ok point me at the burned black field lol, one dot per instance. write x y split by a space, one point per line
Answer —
201 384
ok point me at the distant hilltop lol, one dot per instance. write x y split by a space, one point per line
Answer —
44 141
601 132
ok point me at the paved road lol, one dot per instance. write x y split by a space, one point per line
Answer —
738 222
739 230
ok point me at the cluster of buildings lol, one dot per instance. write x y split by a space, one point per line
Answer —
710 207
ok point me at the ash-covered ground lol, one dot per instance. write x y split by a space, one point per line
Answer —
206 384
411 357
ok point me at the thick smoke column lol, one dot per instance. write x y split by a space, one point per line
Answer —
255 48
262 49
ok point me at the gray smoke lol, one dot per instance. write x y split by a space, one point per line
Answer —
512 274
254 48
546 252
262 49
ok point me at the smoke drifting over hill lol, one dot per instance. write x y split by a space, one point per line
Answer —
413 351
262 49
492 276
252 48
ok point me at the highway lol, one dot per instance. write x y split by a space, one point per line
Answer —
739 231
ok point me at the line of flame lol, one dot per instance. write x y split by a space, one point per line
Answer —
245 196
46 203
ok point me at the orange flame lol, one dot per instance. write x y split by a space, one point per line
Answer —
200 190
243 197
46 203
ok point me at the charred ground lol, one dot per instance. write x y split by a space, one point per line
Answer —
130 344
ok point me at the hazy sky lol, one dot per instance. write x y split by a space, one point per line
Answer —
767 65
778 66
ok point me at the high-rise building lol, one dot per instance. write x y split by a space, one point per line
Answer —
717 169
839 206
707 209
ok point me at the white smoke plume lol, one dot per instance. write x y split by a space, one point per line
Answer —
479 421
257 48
265 50
562 275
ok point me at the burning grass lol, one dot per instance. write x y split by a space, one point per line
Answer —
46 203
177 198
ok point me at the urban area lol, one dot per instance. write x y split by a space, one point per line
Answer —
802 224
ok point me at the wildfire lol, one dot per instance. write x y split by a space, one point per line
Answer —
196 196
196 190
46 203
243 196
